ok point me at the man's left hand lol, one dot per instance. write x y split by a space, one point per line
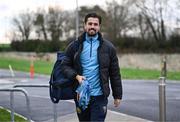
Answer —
117 102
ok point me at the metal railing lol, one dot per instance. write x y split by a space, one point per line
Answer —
12 90
42 86
31 85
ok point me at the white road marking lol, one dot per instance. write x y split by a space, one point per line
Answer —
2 81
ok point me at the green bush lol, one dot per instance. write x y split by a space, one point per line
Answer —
123 44
174 42
137 45
5 47
37 46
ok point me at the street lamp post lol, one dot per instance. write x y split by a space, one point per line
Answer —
77 20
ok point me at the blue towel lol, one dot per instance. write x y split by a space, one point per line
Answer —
84 92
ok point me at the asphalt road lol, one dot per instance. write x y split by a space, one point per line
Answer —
140 98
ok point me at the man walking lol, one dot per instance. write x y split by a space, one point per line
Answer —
93 59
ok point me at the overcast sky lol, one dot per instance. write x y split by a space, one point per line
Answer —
9 8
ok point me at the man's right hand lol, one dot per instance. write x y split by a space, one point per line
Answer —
80 78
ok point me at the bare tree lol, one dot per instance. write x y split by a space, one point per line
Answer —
55 18
24 24
120 20
154 12
40 23
69 24
142 27
177 13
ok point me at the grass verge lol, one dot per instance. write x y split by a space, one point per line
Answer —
40 66
6 117
147 74
45 67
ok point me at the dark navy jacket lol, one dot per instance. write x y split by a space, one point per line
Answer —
108 65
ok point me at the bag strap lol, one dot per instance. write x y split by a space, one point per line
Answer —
53 99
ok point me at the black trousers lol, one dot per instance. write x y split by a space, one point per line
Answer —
96 111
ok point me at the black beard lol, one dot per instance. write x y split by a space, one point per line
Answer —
89 33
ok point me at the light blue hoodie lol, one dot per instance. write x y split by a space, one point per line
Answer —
90 65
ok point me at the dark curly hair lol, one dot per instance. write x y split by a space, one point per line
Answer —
94 15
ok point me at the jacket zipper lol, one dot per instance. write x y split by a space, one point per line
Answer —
91 48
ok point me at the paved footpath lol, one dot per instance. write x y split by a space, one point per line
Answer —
111 117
